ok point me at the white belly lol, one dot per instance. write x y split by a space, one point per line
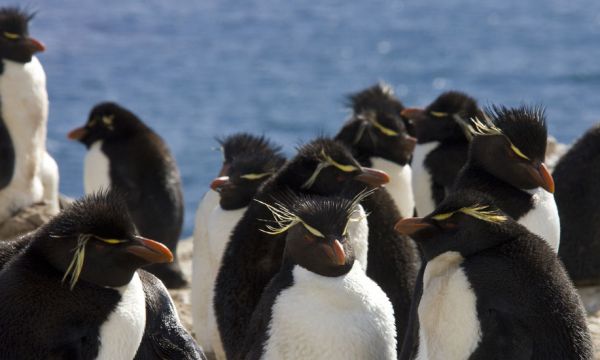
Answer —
543 219
400 185
210 240
346 317
96 169
121 334
421 179
449 327
358 235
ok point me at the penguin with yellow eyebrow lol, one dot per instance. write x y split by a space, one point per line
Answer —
492 289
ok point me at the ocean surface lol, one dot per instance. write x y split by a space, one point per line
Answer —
197 69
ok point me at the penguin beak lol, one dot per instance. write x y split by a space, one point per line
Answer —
151 251
413 113
411 226
372 177
219 182
224 170
77 134
408 144
542 177
336 252
35 45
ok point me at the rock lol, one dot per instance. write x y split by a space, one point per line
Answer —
26 220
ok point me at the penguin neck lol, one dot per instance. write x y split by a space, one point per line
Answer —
24 110
400 185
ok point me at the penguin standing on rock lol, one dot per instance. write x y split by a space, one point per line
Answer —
321 304
322 167
378 138
506 161
74 291
247 172
442 146
491 288
28 174
126 155
577 194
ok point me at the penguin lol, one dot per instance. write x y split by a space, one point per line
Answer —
321 304
125 154
506 161
576 176
28 174
442 146
247 171
491 288
75 291
379 138
322 167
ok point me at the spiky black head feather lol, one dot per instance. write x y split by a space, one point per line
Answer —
455 102
379 98
15 43
15 20
245 143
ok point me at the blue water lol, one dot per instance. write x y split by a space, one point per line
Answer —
197 69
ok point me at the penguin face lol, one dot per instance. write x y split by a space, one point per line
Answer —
382 135
15 43
465 222
107 121
246 174
242 144
316 230
446 119
324 167
95 240
512 147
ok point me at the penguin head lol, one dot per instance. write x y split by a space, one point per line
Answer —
316 230
510 143
466 222
246 173
107 121
15 42
95 240
242 144
445 119
376 128
324 167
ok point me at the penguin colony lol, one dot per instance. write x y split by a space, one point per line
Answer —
314 257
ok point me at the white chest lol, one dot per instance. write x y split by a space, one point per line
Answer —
421 179
121 334
543 219
449 327
347 317
358 235
220 225
96 169
400 185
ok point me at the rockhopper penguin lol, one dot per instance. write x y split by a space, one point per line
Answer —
246 172
506 161
442 146
126 155
378 138
577 193
28 174
322 167
491 288
321 304
74 291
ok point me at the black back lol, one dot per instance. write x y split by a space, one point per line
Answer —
577 192
7 154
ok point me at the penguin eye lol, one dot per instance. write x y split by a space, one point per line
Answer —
111 241
438 114
518 152
11 36
440 217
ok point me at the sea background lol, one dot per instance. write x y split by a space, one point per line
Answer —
197 69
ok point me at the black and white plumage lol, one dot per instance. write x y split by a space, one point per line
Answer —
506 161
491 288
322 167
248 162
577 192
28 174
321 304
72 289
442 146
379 137
126 155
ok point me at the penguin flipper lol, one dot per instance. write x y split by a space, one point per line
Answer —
49 177
504 337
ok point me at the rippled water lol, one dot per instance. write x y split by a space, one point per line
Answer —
197 69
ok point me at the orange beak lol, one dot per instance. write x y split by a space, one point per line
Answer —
412 113
77 134
373 177
219 182
336 253
151 251
36 45
546 180
410 226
